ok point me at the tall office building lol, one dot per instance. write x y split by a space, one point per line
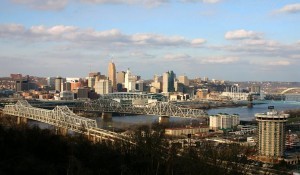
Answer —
130 81
183 80
156 84
22 84
103 86
168 81
120 77
51 82
271 133
112 75
58 81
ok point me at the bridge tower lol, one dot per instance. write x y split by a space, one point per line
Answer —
163 119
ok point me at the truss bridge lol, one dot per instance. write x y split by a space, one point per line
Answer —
156 108
63 118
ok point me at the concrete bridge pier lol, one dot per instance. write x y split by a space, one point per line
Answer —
61 131
106 115
164 119
21 120
92 138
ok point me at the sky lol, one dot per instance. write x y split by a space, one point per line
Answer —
235 40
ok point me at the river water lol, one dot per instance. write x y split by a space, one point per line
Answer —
246 114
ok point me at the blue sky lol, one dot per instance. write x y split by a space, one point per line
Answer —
221 39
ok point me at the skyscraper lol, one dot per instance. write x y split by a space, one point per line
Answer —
168 81
183 80
112 75
121 77
130 81
103 86
271 134
58 82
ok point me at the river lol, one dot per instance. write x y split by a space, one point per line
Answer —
246 114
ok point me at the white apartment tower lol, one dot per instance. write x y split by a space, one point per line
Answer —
223 121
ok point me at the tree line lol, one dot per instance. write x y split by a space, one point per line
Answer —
31 150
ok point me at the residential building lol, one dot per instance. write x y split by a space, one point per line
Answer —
223 121
271 134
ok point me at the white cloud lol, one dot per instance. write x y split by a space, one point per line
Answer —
279 63
290 8
147 3
61 4
91 37
203 1
198 41
220 60
271 63
241 34
43 4
177 57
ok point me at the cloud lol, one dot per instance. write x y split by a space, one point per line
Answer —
177 57
220 60
61 4
91 37
241 34
290 8
148 3
279 63
198 41
203 1
271 63
43 4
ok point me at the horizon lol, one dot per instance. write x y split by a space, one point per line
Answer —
219 39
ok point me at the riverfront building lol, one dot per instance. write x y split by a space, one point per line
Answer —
271 134
223 121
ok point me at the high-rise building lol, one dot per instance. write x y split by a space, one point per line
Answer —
58 81
22 84
271 134
51 82
91 82
103 86
168 81
130 81
139 85
120 77
112 75
184 80
94 74
156 85
66 86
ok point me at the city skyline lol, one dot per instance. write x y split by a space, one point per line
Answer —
221 39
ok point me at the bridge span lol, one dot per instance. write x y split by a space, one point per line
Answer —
157 108
63 118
